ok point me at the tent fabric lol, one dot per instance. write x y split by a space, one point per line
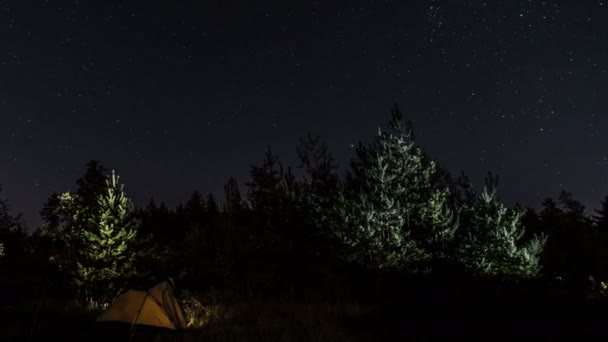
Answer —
157 307
163 293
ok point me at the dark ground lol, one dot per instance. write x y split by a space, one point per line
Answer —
468 314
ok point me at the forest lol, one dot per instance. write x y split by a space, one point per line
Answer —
394 248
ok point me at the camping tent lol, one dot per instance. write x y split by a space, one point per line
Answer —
157 307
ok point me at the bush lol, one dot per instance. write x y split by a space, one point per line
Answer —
199 310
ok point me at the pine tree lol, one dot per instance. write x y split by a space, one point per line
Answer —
601 223
493 243
558 251
264 189
9 223
533 223
211 204
108 255
195 208
233 201
319 187
12 232
91 184
66 215
551 211
320 182
580 239
273 194
392 213
601 219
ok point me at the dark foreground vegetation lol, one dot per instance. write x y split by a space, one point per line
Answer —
394 249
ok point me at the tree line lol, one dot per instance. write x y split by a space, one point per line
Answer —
395 211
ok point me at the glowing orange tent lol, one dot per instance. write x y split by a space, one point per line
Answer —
157 307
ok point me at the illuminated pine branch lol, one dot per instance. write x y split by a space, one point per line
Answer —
107 257
392 213
492 243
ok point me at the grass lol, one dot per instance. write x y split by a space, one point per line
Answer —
271 320
432 317
36 320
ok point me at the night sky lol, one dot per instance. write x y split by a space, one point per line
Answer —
178 96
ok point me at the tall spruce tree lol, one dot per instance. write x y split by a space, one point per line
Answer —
492 239
107 257
392 213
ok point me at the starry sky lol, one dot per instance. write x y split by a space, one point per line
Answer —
180 95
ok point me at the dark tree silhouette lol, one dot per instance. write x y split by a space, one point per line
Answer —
601 217
66 215
211 204
12 232
91 184
234 202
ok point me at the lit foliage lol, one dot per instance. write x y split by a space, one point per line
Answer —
196 313
71 214
392 214
1 250
492 239
67 214
107 258
603 288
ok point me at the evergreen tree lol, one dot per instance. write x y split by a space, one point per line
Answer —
392 213
278 239
320 182
581 238
151 205
108 256
551 211
319 188
601 217
66 216
273 194
601 245
533 223
318 164
8 222
161 247
232 238
195 209
212 207
492 239
556 255
91 184
12 233
264 189
233 201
